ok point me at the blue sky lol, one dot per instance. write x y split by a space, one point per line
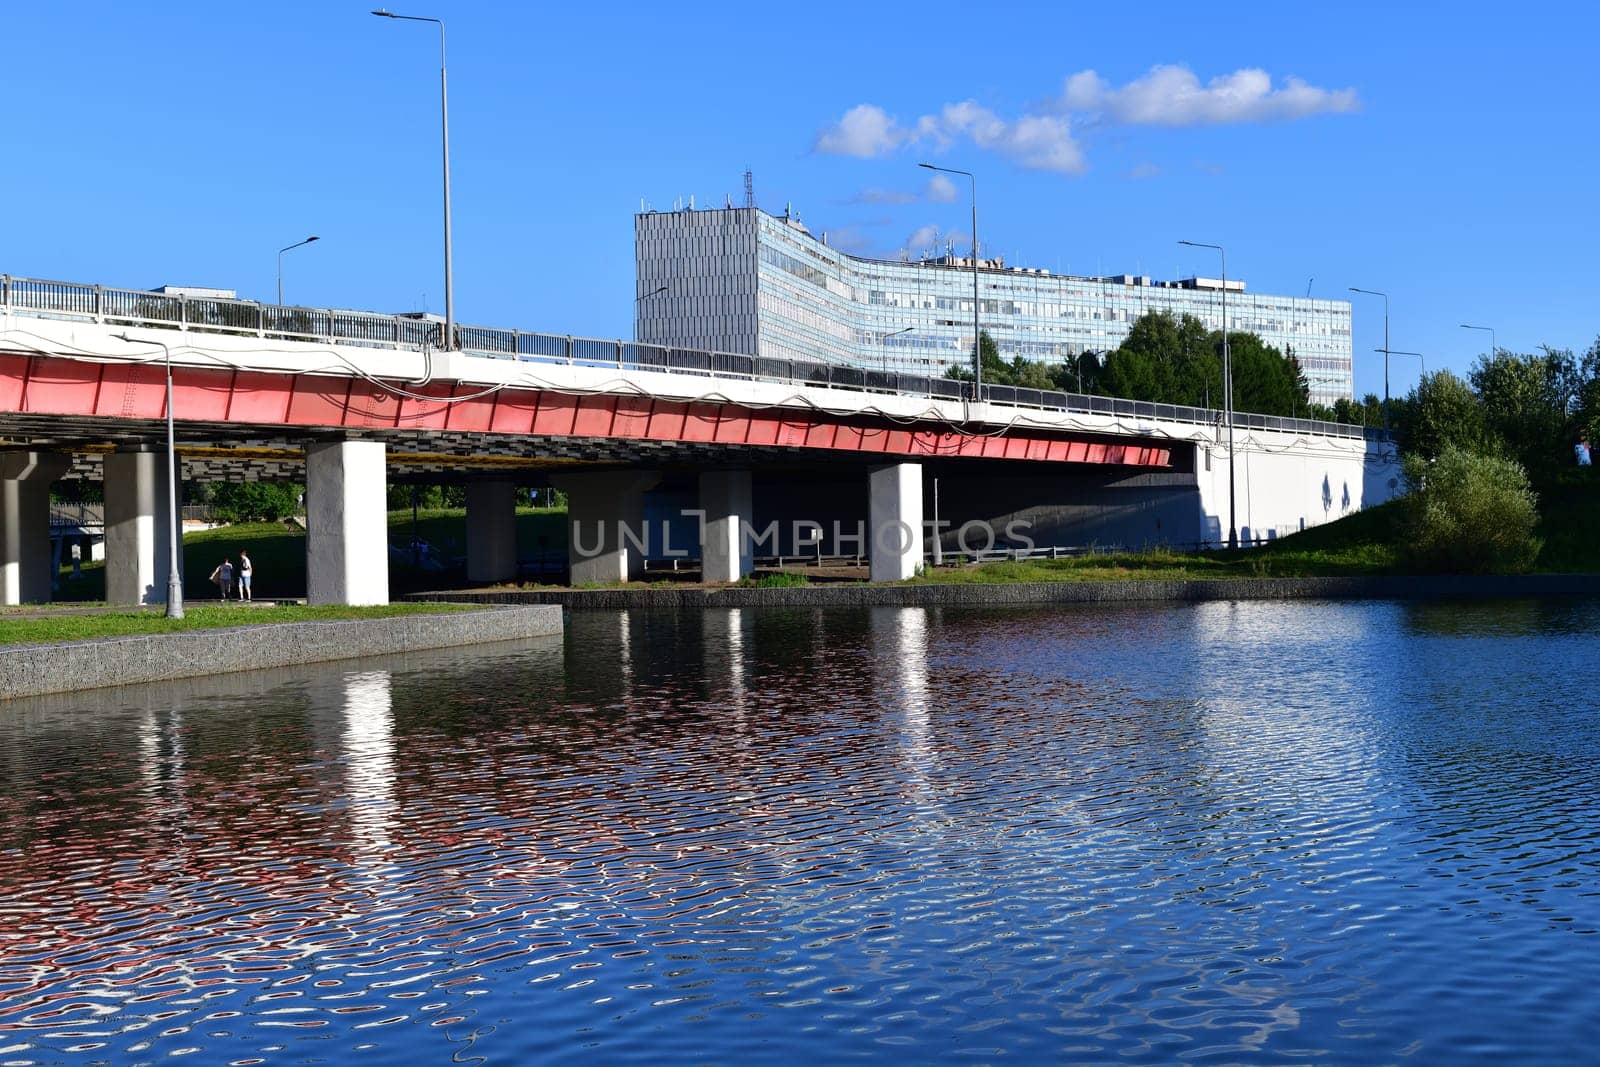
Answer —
1445 153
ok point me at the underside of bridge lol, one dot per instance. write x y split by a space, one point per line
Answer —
630 499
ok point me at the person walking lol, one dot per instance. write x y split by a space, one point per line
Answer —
246 571
225 577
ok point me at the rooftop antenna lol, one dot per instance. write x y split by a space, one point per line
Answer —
749 188
730 200
1308 288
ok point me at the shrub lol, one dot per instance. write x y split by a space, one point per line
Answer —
778 580
1470 514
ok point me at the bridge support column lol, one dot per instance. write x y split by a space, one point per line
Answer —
25 557
491 531
894 521
138 527
606 534
725 550
347 527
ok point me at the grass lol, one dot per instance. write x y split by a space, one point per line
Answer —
50 628
776 580
1368 542
1363 543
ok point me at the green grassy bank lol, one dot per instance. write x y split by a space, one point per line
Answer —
52 628
1368 542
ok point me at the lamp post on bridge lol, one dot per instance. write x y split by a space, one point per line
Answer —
977 332
638 307
444 110
1419 355
1384 350
174 582
886 337
1227 391
1493 347
281 251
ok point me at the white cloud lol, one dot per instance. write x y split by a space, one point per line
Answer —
940 190
1037 142
1042 138
875 195
1144 170
922 237
864 131
1173 96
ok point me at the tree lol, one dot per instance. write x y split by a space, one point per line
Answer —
1367 412
995 370
1440 412
1470 514
1171 360
1528 402
254 501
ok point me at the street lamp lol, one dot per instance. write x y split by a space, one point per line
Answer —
444 110
977 333
174 583
1384 350
638 308
886 337
1493 347
281 251
1227 390
1419 355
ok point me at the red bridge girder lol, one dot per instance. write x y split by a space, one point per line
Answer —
46 385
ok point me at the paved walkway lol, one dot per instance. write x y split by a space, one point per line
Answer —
51 611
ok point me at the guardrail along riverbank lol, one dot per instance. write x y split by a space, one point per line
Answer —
1365 587
30 670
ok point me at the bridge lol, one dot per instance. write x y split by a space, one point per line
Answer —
642 438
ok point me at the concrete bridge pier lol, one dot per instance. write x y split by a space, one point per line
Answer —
138 527
347 523
491 531
25 557
606 535
894 522
725 554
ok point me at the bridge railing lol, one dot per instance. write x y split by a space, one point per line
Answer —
203 314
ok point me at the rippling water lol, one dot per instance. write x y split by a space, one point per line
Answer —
1212 833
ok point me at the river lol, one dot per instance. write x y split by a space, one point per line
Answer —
1344 832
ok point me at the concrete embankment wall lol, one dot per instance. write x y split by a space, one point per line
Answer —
1354 588
27 670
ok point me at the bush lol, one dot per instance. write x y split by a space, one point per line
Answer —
254 501
1470 514
778 580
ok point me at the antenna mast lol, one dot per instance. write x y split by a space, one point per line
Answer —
749 188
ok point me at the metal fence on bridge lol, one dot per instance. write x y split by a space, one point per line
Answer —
201 314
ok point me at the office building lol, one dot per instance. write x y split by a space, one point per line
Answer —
742 280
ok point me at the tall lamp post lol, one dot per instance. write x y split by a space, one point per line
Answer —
444 110
1227 390
1419 355
1384 350
886 337
1493 347
281 251
174 583
977 333
638 307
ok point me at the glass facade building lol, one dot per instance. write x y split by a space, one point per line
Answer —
742 280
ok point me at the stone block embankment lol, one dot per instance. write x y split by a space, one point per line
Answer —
27 670
1365 587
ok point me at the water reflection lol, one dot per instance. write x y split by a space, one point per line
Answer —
1225 832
